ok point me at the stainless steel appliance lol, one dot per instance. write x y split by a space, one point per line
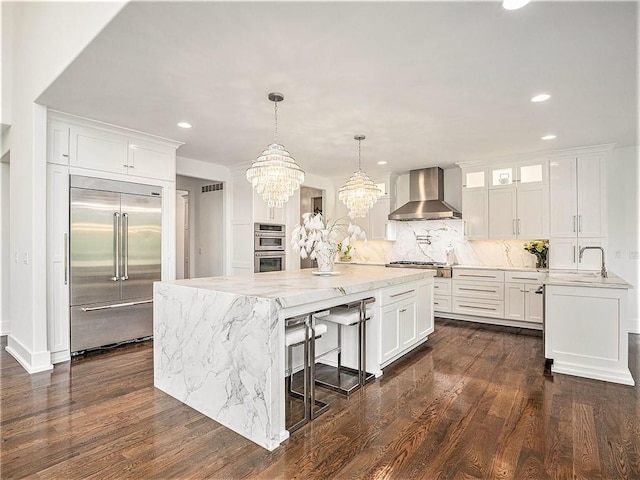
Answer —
442 269
270 240
115 258
269 261
426 197
269 237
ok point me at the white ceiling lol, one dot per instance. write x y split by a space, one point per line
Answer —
428 83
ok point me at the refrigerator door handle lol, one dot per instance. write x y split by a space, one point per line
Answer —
125 245
117 305
116 247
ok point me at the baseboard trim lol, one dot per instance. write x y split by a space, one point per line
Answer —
32 362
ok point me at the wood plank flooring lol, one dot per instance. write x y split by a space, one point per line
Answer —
472 403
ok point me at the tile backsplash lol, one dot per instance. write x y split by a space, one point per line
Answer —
431 240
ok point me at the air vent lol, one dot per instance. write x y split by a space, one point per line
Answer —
212 188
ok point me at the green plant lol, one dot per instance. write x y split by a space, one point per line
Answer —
539 248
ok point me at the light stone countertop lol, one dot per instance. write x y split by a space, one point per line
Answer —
505 269
570 278
297 287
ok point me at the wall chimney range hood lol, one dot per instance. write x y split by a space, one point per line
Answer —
426 197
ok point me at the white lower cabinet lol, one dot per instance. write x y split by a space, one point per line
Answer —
58 262
521 302
406 318
495 294
442 294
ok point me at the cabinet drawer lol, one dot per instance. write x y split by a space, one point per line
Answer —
524 277
478 274
441 304
398 293
442 286
478 307
489 290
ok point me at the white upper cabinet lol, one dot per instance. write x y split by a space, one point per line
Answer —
262 212
518 200
591 196
98 150
577 196
502 213
475 213
58 143
152 160
475 178
114 151
475 202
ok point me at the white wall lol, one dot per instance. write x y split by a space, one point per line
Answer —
45 38
5 324
623 219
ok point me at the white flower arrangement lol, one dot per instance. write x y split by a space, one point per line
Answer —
318 234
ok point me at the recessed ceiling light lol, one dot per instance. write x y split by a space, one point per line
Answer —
382 162
548 137
514 4
184 125
541 98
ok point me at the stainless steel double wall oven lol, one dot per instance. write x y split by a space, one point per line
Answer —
269 247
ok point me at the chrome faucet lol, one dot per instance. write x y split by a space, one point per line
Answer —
603 270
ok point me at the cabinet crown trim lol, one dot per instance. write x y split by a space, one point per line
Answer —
96 124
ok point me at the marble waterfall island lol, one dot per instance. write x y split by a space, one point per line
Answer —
219 341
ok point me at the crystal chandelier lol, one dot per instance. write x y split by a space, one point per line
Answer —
275 175
359 193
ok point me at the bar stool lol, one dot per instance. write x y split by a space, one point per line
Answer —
302 330
356 313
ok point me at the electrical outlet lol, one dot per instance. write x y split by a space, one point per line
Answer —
25 258
634 255
17 257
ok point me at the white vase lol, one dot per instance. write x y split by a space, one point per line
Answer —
326 257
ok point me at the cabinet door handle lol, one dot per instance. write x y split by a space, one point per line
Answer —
403 293
518 227
477 308
476 290
575 223
66 258
476 276
514 226
579 223
523 278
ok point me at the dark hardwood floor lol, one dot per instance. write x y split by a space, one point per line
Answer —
472 403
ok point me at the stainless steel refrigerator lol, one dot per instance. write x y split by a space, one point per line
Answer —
115 251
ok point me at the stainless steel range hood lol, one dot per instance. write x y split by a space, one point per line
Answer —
426 197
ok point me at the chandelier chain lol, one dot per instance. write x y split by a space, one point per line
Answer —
275 135
359 151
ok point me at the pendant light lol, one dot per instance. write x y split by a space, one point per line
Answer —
359 193
275 175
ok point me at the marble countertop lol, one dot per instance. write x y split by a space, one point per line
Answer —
297 287
585 279
506 269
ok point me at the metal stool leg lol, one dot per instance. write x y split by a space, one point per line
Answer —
311 359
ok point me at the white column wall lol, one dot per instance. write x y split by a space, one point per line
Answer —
46 37
5 324
623 210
